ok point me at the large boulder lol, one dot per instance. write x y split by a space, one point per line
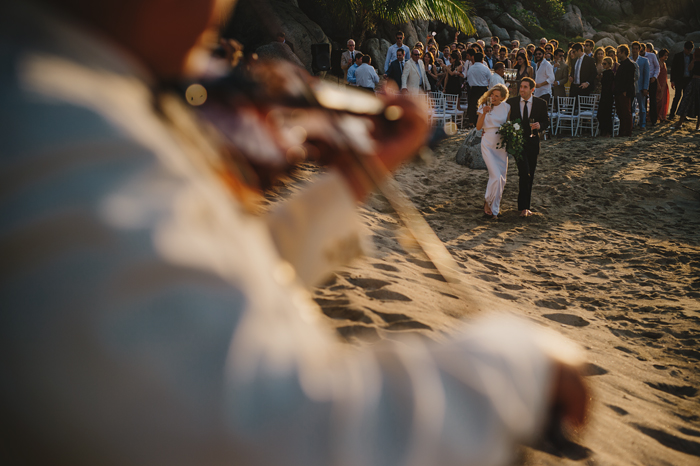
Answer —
695 37
608 7
422 29
666 22
508 22
620 39
677 47
469 153
606 42
377 49
570 24
599 35
627 8
498 31
481 26
609 28
524 40
663 42
489 10
278 51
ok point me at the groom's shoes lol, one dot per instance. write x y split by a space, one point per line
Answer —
525 213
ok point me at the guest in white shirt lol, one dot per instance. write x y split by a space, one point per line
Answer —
544 76
654 70
366 75
499 70
478 78
391 53
468 59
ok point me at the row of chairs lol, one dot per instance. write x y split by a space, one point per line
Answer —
567 117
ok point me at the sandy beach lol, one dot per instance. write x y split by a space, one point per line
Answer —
611 259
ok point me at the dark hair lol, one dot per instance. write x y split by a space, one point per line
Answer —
281 34
477 48
358 55
495 38
429 55
589 42
539 49
398 33
529 81
577 46
555 43
498 66
366 59
478 56
663 53
524 57
487 48
559 51
637 44
625 49
463 54
689 45
455 55
470 52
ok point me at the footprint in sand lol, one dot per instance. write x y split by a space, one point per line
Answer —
368 283
568 319
681 391
358 332
674 442
591 369
386 295
559 303
385 267
618 410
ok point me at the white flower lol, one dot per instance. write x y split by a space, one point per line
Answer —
516 126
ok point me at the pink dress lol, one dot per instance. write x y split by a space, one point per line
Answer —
662 93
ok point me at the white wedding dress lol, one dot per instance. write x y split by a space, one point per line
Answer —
496 159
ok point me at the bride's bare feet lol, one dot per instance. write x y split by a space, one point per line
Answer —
487 209
525 213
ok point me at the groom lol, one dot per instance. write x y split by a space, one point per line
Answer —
532 112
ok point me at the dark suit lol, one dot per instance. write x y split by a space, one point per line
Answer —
624 83
395 72
678 79
528 162
588 74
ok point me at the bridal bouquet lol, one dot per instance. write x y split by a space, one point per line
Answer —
511 138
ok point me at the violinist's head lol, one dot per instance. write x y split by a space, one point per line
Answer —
162 33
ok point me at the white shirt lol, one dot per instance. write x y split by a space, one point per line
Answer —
366 76
465 68
529 107
391 55
496 79
654 67
479 75
544 73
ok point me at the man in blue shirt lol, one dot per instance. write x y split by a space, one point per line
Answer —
352 80
642 83
391 53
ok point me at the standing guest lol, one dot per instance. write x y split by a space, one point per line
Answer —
352 80
549 53
690 105
530 50
598 56
662 93
555 43
489 59
680 75
647 51
503 57
395 70
532 112
347 59
642 83
523 70
431 69
496 50
583 72
453 75
493 112
495 41
365 74
607 98
515 44
478 79
414 78
561 76
612 54
624 90
446 52
467 60
481 44
543 42
544 76
391 53
588 46
499 70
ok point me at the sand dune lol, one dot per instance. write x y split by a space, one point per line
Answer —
611 259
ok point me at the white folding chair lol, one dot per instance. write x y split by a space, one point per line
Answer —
452 111
587 114
552 118
566 114
463 99
616 122
437 112
635 112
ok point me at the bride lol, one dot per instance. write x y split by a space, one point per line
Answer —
493 112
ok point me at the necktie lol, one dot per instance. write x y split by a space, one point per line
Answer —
526 121
577 71
353 57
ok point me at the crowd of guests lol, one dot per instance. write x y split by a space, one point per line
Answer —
630 79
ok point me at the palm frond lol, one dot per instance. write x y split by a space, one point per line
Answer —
455 13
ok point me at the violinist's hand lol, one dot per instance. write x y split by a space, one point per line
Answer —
570 396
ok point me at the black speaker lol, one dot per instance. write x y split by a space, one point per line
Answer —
321 57
336 70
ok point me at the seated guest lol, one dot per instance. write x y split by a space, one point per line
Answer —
365 75
605 108
395 70
499 70
352 81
